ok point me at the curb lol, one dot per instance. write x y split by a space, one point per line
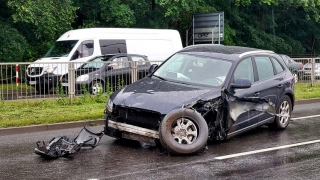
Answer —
307 101
67 125
49 127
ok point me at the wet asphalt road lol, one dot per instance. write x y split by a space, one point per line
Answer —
121 159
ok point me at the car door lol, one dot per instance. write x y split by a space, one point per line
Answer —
240 109
118 73
270 83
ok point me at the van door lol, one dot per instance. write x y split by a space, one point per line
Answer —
83 53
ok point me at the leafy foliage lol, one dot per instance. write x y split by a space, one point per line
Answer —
13 44
285 26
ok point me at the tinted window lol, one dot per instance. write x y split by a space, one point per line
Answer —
264 67
277 65
113 46
244 70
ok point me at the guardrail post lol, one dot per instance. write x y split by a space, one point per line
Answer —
312 71
71 81
134 71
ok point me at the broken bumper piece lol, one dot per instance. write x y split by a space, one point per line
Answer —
133 132
63 146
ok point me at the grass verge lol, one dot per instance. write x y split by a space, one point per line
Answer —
306 91
35 112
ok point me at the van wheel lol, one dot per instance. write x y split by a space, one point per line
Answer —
284 109
96 87
183 131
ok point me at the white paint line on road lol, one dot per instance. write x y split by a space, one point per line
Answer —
266 150
305 117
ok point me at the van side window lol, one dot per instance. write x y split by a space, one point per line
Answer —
112 46
139 59
85 49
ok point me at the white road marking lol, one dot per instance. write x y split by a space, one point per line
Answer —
266 150
305 117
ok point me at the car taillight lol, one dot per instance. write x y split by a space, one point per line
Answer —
302 66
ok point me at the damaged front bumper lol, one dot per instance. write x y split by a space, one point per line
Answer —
127 131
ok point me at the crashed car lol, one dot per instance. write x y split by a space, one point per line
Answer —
201 93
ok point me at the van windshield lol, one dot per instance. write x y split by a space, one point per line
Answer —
61 48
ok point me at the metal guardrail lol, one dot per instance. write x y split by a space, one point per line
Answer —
35 80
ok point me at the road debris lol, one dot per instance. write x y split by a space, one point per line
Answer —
62 146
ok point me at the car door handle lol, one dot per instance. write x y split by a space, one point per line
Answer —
256 94
280 85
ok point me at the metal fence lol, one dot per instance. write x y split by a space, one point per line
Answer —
307 72
38 80
49 80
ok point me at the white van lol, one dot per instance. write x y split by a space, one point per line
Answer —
82 44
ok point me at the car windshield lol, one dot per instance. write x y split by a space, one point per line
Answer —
61 48
96 62
188 68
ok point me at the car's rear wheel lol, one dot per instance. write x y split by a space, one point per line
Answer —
284 114
183 131
96 87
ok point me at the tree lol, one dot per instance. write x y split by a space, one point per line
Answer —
13 44
50 18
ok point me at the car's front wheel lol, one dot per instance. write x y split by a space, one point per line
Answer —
183 131
283 114
96 87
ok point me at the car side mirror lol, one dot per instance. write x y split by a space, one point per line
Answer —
241 83
152 68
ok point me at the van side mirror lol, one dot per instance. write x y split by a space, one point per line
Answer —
152 68
241 83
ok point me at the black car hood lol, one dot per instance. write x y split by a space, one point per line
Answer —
161 96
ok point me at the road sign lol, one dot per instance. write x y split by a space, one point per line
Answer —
208 27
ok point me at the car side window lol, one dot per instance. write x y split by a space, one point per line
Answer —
119 62
138 59
264 67
96 63
244 70
277 65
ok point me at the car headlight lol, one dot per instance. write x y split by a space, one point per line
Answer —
83 78
50 69
109 105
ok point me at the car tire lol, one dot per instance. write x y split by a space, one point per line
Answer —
96 87
183 131
285 108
